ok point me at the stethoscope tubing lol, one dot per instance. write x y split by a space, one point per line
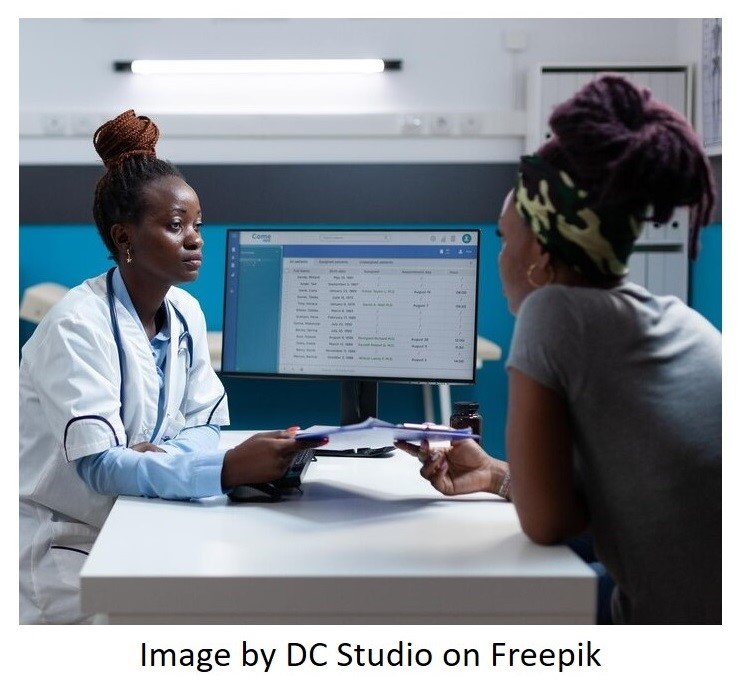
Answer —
117 334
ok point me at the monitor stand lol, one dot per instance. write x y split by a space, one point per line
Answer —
358 402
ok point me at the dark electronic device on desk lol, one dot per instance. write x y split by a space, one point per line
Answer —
277 489
357 305
363 452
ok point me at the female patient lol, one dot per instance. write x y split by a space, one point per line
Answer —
614 416
117 393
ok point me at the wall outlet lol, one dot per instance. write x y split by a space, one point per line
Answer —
412 125
84 125
441 125
470 124
53 124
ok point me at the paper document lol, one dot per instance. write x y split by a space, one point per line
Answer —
374 433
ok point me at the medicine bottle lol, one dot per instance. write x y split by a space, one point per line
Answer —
466 414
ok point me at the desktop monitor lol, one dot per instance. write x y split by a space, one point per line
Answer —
360 306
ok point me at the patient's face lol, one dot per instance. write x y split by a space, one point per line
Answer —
519 250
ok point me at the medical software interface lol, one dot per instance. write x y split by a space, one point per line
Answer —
391 304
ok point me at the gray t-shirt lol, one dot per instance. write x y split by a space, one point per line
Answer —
642 378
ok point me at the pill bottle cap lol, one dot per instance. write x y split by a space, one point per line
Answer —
466 407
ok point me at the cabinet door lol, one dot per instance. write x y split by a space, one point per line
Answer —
556 84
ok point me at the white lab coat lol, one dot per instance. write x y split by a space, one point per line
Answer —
70 391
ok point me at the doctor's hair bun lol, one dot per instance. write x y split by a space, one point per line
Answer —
126 136
126 146
631 152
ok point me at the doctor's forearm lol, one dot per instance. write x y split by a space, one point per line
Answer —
123 471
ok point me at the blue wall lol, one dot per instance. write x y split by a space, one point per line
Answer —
71 253
706 276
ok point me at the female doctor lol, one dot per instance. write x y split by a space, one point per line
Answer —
117 393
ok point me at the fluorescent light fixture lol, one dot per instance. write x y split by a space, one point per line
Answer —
364 66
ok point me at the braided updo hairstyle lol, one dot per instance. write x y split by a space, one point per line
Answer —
632 152
126 145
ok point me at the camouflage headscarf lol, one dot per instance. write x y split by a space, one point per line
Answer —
564 221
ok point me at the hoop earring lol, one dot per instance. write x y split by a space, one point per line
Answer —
129 259
533 283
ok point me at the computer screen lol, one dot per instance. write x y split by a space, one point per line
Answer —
357 305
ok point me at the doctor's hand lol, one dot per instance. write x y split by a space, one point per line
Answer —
263 457
461 468
146 446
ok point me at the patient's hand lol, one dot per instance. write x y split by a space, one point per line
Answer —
461 468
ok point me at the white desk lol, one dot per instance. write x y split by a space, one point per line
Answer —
368 542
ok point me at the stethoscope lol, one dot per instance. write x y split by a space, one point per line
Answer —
184 336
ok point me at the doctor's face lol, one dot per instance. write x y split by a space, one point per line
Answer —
166 243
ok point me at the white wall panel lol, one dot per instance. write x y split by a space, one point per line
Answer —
450 66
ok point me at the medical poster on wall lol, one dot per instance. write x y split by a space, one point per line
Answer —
712 34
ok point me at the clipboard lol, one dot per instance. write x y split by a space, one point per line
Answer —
374 433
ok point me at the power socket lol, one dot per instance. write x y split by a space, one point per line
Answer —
84 124
470 124
441 125
412 125
53 124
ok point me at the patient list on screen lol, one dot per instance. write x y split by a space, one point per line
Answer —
353 303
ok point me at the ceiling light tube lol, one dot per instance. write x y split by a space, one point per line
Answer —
361 66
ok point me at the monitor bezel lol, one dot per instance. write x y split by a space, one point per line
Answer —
356 378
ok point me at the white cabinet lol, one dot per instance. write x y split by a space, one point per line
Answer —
660 261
